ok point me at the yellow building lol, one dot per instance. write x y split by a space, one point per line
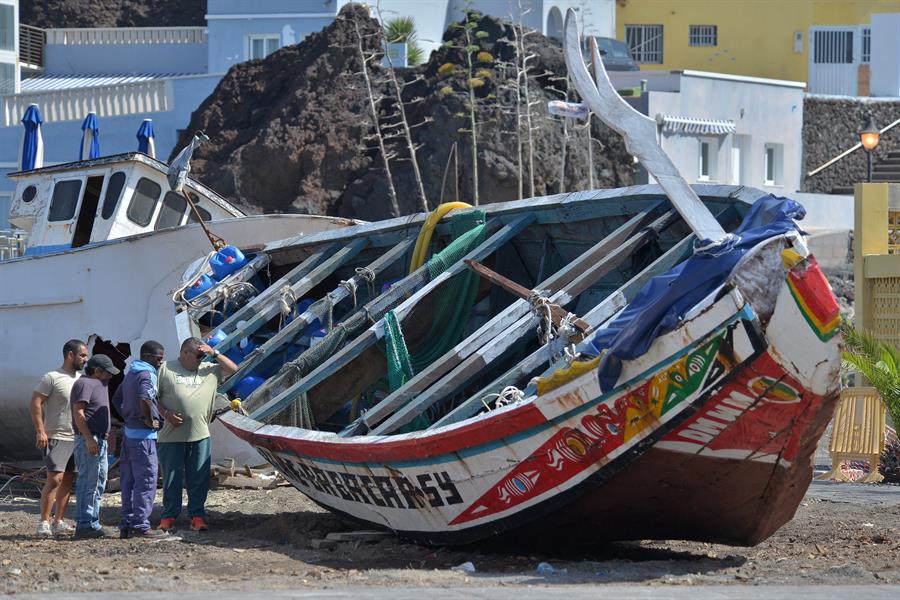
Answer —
758 38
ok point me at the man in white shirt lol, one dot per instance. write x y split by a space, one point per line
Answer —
52 418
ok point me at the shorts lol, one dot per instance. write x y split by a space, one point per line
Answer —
59 455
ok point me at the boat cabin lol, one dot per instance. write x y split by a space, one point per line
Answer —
90 201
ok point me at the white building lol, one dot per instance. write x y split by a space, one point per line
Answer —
728 129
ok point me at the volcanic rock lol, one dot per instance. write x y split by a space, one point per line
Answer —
293 132
51 14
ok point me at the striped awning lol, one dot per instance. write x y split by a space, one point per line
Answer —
47 83
690 125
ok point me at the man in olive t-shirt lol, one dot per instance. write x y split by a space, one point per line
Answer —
187 392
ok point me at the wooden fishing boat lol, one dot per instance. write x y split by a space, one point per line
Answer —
666 372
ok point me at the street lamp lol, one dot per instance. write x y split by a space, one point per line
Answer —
869 138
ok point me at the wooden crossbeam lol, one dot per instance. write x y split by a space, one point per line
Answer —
596 317
268 310
316 311
376 332
502 321
503 340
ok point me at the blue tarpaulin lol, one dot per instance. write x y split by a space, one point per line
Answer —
90 137
663 302
32 145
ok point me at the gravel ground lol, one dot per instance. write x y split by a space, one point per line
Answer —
260 539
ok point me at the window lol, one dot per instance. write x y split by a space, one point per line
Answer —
172 211
65 199
29 193
611 48
772 168
204 214
645 43
833 47
260 46
7 27
143 202
866 53
7 79
707 159
113 191
703 35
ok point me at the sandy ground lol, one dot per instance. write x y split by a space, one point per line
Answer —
260 539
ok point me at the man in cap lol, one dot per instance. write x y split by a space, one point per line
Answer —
52 418
136 402
90 417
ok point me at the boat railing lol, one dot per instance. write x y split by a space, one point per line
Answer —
81 36
107 101
12 243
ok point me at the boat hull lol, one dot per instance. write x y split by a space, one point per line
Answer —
711 443
118 291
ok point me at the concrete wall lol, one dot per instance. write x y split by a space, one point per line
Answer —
114 59
763 113
885 62
10 58
117 134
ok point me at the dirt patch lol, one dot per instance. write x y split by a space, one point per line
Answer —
260 539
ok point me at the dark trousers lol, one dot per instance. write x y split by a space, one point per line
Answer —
138 475
182 461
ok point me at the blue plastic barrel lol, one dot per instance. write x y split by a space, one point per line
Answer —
215 337
203 283
246 386
226 261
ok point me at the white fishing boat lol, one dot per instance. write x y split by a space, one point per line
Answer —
108 243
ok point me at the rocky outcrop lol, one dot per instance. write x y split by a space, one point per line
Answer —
51 14
292 132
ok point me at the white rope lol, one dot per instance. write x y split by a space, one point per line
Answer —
508 395
178 294
567 332
540 307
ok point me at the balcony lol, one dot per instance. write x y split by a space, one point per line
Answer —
126 35
31 47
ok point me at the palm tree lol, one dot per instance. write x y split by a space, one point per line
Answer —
403 29
878 362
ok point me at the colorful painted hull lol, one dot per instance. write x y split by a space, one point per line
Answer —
708 438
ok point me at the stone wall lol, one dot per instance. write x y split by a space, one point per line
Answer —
830 126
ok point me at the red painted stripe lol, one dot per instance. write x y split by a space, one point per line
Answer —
812 285
475 434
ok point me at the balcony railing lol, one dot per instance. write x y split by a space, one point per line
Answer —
31 46
127 35
106 101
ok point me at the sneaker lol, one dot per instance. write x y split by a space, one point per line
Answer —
167 524
44 529
149 534
61 527
89 534
198 524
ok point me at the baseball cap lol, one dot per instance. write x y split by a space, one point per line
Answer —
101 361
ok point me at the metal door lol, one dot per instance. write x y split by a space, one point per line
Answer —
834 55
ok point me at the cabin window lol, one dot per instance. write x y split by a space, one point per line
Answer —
204 214
65 199
113 191
172 211
143 202
29 193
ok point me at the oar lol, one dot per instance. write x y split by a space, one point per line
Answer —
639 133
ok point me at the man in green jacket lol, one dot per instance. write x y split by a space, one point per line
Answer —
187 392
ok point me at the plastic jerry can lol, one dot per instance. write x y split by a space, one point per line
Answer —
203 283
226 261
